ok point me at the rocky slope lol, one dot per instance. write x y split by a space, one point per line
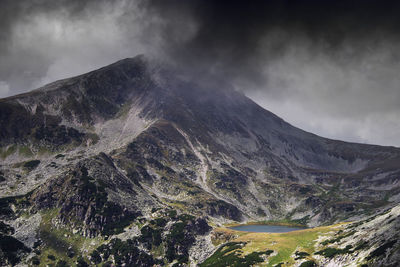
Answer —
373 241
97 155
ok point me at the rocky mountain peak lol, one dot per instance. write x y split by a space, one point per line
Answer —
141 159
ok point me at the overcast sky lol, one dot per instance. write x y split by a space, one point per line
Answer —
328 67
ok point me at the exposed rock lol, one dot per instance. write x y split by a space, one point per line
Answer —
103 149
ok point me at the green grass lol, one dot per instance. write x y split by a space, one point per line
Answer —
5 152
56 241
284 244
25 151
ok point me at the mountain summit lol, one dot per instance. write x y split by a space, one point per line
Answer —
109 149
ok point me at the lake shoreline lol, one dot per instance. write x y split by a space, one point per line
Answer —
265 228
272 223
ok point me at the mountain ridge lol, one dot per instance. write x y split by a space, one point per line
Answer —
106 148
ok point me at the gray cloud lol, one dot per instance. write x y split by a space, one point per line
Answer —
47 40
329 67
335 93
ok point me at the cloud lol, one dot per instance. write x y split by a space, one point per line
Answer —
4 89
50 41
374 128
327 66
350 93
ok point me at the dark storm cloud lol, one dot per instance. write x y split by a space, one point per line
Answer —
330 67
236 38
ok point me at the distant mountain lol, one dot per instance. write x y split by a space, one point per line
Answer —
115 147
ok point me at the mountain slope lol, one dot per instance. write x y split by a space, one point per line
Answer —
107 149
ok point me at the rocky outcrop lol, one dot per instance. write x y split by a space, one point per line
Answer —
83 199
369 242
11 249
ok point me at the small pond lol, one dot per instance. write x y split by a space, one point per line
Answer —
264 228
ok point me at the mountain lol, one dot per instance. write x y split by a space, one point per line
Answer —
136 151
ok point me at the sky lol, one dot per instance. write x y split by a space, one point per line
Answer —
330 67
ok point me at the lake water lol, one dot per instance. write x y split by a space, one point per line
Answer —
263 228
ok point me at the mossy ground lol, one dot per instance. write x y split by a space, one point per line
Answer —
25 151
284 245
56 242
7 151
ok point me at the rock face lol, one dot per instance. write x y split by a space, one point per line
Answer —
373 241
11 249
100 151
83 199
